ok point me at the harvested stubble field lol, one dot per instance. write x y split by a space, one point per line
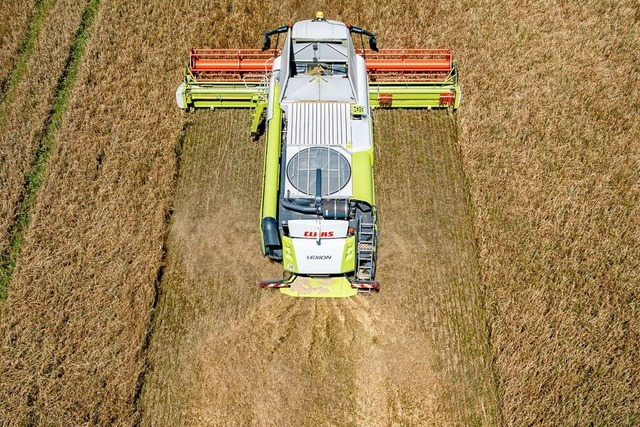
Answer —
224 354
543 247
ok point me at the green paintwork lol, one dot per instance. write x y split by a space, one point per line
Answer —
320 287
222 94
357 111
362 167
458 90
349 255
411 95
239 95
289 255
415 94
272 160
271 175
257 115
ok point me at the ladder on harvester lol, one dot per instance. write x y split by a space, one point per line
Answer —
365 251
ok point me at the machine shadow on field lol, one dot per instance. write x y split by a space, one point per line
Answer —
225 353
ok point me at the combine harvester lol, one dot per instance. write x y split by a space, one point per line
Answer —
314 99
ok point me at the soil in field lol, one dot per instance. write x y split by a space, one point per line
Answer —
225 353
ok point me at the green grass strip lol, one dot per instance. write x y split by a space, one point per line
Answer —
36 175
20 64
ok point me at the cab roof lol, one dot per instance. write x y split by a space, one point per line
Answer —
320 29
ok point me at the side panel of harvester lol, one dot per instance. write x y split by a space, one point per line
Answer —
271 238
362 161
271 245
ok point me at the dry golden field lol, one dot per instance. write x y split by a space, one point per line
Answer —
15 16
510 240
77 312
26 120
550 136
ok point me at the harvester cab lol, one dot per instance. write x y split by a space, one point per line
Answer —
316 95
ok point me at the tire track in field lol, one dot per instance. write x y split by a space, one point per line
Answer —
226 353
39 143
14 16
159 277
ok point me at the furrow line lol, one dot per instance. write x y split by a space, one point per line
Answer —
36 174
8 87
157 289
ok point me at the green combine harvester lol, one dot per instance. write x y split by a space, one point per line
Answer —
314 98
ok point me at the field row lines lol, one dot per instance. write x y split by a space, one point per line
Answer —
20 64
142 376
35 176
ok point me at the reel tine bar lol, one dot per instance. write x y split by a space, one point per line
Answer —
426 65
210 65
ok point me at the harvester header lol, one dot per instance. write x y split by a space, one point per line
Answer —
313 95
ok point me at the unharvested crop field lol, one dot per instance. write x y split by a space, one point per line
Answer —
509 232
28 106
15 16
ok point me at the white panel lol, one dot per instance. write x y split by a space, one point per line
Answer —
319 123
320 30
179 93
323 258
325 89
285 64
310 229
